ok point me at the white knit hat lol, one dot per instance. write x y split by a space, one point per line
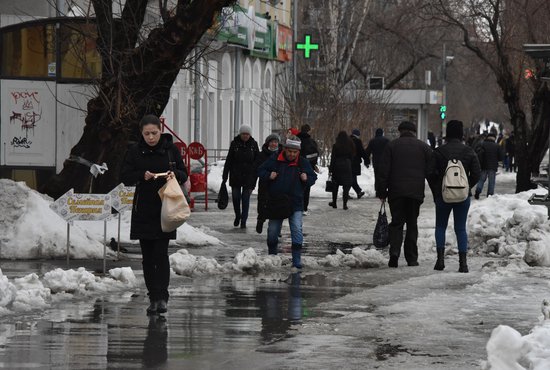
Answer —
245 129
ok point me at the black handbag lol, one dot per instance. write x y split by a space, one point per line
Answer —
381 236
277 207
329 185
223 197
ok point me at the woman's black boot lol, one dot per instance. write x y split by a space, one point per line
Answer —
440 263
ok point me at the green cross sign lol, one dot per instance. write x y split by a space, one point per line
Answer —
307 46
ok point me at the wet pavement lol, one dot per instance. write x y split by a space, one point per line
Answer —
208 318
268 321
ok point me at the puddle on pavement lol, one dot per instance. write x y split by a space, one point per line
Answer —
207 316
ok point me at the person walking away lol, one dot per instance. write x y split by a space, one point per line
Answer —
270 147
403 170
360 156
239 167
431 140
511 152
453 149
489 154
310 151
287 173
340 167
376 148
153 154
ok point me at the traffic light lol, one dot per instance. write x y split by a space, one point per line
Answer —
443 111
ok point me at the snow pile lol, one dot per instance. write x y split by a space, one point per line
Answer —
30 229
82 281
508 226
30 292
365 180
248 261
508 350
186 234
187 264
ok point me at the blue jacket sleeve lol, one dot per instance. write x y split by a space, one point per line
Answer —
308 170
266 168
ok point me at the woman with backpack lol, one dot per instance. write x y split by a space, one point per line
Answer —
453 163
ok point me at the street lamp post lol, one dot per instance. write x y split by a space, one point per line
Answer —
447 59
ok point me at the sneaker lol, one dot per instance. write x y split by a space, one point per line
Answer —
305 213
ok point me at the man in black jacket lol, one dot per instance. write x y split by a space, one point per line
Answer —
403 169
489 154
360 155
310 151
376 148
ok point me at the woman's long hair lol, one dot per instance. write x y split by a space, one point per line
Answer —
343 146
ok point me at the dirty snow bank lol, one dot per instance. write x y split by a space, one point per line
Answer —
248 261
30 229
508 226
507 349
32 292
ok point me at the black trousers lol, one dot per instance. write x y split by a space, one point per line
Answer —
356 186
156 267
404 211
306 196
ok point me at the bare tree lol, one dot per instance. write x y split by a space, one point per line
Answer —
494 30
138 70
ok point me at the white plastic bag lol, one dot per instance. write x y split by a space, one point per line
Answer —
175 210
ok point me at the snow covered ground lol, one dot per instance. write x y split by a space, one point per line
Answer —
504 226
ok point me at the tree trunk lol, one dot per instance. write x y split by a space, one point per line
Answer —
137 82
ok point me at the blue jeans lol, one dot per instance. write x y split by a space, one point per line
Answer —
274 229
460 214
238 194
491 174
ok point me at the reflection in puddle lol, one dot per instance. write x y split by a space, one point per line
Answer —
207 316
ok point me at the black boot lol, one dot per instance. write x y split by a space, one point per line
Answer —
259 225
463 266
152 309
393 261
440 263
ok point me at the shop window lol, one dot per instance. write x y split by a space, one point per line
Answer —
79 56
29 52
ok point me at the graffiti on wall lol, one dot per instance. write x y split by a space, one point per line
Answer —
25 110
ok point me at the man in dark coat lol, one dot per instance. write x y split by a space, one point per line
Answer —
489 154
360 156
403 170
376 148
310 151
287 173
239 167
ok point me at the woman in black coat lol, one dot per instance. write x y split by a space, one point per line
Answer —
154 153
271 146
239 167
340 167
